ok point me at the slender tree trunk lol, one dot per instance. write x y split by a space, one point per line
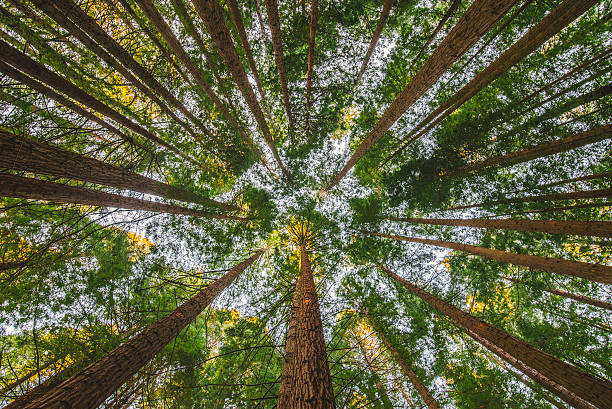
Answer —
476 21
90 387
583 194
602 175
211 13
382 20
277 44
306 383
28 188
21 153
565 294
561 208
576 227
314 15
587 271
596 391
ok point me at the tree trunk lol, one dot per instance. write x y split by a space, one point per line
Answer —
382 20
584 194
476 21
28 188
314 15
562 208
573 227
596 391
22 153
277 44
211 13
305 381
90 387
587 271
602 175
565 294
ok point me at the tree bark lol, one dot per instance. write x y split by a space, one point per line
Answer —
583 194
306 383
28 188
277 44
585 386
211 13
575 227
476 21
90 387
314 15
22 153
587 271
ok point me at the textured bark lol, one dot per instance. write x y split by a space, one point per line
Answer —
90 387
576 297
476 21
596 391
211 13
583 194
577 227
587 271
21 153
277 44
28 188
538 151
305 381
314 15
550 25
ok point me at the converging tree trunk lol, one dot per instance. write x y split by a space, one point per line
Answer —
20 153
29 188
476 21
90 387
585 386
577 227
305 381
587 271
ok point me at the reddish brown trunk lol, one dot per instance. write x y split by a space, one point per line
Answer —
476 21
314 15
587 271
28 188
21 153
584 194
277 44
577 227
596 391
90 387
305 381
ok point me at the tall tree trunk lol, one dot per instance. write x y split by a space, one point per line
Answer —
425 394
90 387
602 175
583 194
277 44
596 391
577 227
565 294
21 153
476 21
550 25
306 383
211 13
587 271
314 15
561 208
28 188
382 20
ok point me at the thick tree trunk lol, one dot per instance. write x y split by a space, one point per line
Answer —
565 294
476 21
596 391
211 13
382 20
577 227
305 382
277 44
28 188
90 387
21 153
583 194
587 271
314 15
